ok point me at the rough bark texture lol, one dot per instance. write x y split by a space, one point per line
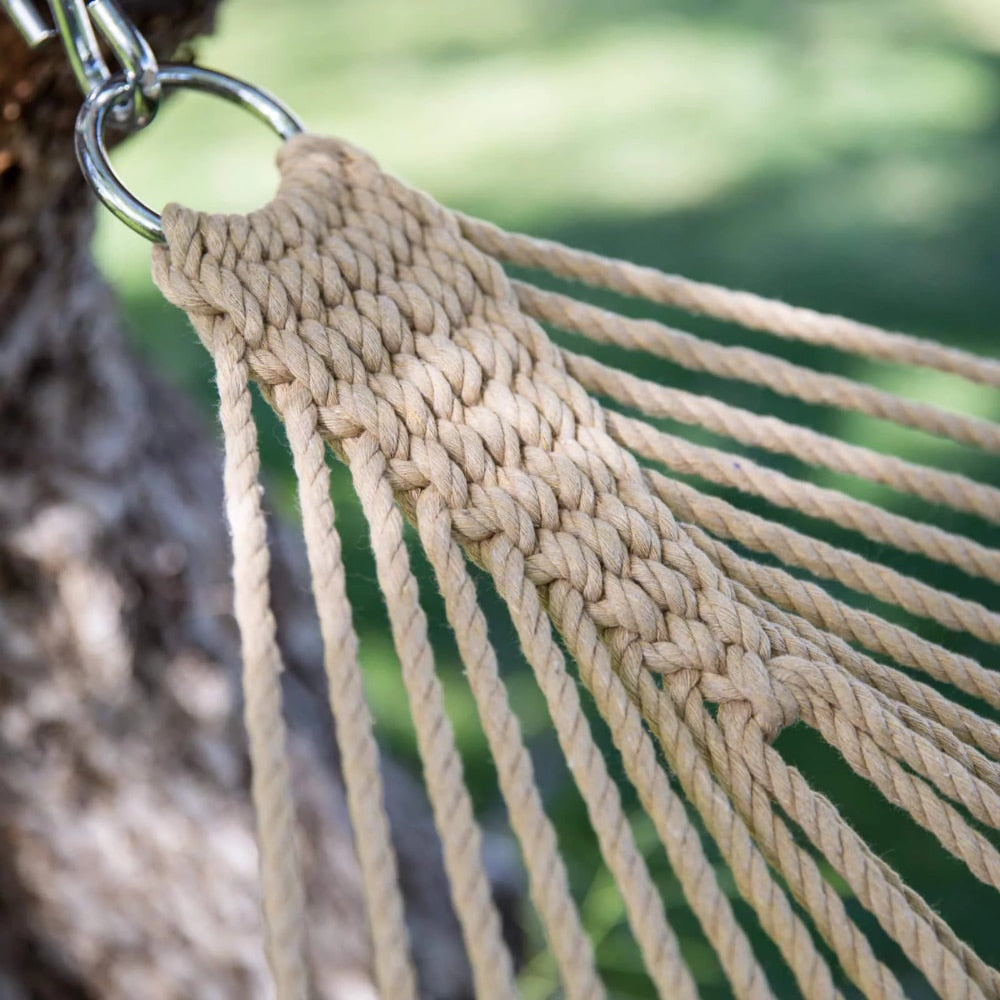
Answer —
127 860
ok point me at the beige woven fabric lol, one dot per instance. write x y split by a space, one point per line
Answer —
381 324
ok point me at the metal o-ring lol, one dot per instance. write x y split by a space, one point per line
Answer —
93 154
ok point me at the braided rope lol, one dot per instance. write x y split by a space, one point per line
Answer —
376 320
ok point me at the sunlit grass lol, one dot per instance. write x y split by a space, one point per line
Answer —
638 114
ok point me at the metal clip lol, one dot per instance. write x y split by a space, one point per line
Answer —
78 23
130 97
28 21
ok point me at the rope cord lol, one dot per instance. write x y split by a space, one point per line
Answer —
645 908
793 548
281 878
957 727
874 523
947 489
358 751
384 325
491 963
783 377
868 630
548 881
748 866
743 308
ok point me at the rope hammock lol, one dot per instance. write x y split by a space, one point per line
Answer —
383 327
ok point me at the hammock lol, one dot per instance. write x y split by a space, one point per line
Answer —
383 327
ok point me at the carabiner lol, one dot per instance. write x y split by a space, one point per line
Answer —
134 54
28 21
129 98
75 24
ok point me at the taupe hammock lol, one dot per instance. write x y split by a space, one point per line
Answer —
384 327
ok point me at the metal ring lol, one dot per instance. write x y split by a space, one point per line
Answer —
93 155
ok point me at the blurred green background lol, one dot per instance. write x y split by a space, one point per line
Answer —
843 155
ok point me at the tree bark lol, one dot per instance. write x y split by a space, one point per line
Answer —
127 859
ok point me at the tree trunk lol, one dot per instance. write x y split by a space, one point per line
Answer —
127 859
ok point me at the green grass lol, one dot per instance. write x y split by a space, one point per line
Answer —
838 154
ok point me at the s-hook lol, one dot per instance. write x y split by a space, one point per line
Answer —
130 96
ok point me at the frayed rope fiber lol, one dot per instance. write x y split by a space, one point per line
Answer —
382 326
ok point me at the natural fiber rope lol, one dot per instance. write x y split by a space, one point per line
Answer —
825 828
373 317
868 630
947 489
358 751
796 866
916 702
734 841
876 524
642 903
743 308
783 377
821 559
281 880
491 963
548 881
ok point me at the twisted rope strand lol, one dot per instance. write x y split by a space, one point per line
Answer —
729 798
871 885
902 913
947 489
744 364
567 609
903 789
840 619
831 506
643 904
953 729
821 559
956 729
281 879
908 742
798 869
811 601
896 692
869 712
363 296
355 737
548 882
749 869
470 890
743 308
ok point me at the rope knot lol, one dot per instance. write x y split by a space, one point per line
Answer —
750 690
740 670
